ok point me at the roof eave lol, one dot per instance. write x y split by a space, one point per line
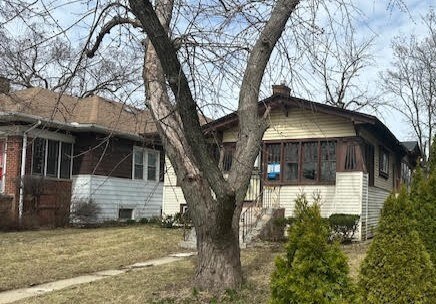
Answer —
72 127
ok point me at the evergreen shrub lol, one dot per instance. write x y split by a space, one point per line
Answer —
397 267
314 270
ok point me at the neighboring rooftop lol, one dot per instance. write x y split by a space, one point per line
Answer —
63 108
410 145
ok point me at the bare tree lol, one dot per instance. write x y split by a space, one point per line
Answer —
194 52
34 59
411 81
338 58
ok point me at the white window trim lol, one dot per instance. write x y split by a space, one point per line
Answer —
145 163
58 176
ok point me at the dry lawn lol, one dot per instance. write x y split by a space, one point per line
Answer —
172 283
34 257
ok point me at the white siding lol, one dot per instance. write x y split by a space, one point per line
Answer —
111 194
301 123
376 199
344 197
172 195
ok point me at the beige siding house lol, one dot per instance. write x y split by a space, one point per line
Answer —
350 159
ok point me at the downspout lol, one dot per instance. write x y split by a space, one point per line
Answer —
23 171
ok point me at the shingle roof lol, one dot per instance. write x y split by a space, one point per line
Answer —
63 108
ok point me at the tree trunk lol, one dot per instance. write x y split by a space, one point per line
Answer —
217 227
219 264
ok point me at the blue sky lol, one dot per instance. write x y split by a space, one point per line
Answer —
387 24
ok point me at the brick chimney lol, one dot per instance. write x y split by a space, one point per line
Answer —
5 85
281 89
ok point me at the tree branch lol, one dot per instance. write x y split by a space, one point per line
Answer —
106 30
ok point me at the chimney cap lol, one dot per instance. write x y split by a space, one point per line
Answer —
281 89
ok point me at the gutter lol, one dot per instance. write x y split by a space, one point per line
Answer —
73 127
23 171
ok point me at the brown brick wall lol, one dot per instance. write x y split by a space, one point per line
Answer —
49 208
13 167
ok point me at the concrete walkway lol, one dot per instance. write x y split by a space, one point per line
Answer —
22 293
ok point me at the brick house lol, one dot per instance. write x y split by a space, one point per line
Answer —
76 150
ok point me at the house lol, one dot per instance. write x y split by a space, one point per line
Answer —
69 150
351 159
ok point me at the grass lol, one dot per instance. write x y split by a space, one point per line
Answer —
34 257
172 283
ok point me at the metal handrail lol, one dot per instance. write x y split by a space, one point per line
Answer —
249 216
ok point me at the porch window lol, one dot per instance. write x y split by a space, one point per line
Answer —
290 170
328 161
383 162
138 167
151 165
305 162
146 164
273 162
228 151
66 152
51 158
38 157
310 161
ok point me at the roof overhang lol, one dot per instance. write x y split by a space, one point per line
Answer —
14 117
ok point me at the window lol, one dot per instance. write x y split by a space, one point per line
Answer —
138 164
38 157
228 150
309 161
291 160
151 166
51 158
406 174
368 156
161 166
350 158
306 162
183 208
125 214
384 163
273 162
328 161
146 164
66 152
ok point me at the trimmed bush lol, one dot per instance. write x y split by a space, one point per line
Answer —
143 220
85 212
397 268
313 271
343 226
